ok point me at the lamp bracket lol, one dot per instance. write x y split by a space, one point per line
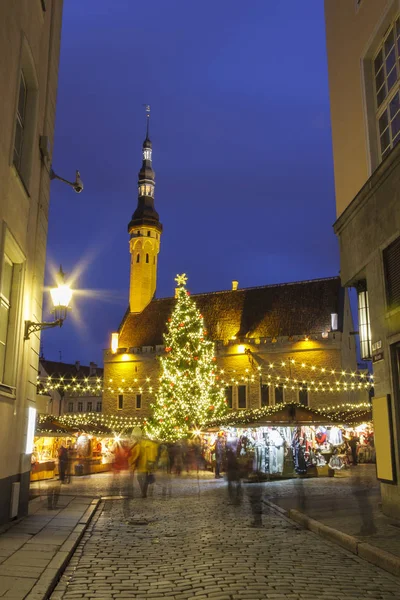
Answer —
32 326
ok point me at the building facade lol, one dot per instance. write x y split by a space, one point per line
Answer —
69 388
363 49
277 343
29 46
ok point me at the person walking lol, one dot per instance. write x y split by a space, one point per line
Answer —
218 457
353 443
233 474
62 462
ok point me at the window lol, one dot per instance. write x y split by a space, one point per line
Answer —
11 269
137 258
334 321
80 406
147 258
229 396
391 261
279 395
148 234
387 79
20 122
5 304
364 325
242 396
70 407
89 407
138 400
120 401
264 389
303 396
98 407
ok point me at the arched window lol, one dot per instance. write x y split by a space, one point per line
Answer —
147 258
137 258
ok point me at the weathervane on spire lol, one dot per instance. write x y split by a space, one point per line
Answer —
147 109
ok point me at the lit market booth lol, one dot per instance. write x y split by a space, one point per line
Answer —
291 440
91 441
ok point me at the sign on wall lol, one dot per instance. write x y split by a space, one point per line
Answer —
383 430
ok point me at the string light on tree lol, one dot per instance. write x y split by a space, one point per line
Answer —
188 393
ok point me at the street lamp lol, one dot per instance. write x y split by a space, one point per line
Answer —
77 185
61 297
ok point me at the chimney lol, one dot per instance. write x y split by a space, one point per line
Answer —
92 369
234 285
77 365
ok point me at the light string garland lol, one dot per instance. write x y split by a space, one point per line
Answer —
189 391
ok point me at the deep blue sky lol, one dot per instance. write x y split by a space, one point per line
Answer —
241 150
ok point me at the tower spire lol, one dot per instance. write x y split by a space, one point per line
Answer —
145 232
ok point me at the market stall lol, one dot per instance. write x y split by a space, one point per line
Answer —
291 440
91 443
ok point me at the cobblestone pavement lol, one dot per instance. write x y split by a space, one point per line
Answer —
197 545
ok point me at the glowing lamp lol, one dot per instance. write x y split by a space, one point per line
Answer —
241 349
114 342
61 297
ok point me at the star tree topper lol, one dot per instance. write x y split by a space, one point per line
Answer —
181 279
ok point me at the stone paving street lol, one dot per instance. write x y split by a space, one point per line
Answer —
198 545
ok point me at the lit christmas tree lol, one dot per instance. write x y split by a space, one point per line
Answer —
189 393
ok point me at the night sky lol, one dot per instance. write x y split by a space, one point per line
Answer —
241 137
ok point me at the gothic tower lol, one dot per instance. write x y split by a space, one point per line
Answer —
145 233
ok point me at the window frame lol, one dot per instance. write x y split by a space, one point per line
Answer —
268 387
10 248
384 107
99 406
138 402
277 387
28 69
239 387
302 390
80 407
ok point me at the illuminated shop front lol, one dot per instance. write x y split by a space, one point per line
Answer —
92 442
292 440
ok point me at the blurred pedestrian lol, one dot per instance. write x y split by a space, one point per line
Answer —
254 492
164 470
218 457
233 474
178 458
62 462
353 443
146 464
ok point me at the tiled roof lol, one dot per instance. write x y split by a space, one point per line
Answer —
68 371
289 309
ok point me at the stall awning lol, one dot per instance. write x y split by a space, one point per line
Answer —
289 414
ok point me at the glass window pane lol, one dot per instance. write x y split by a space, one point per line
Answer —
378 62
18 141
395 125
381 95
6 279
396 140
22 98
389 42
383 122
390 61
3 323
2 360
394 106
392 78
385 141
380 79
